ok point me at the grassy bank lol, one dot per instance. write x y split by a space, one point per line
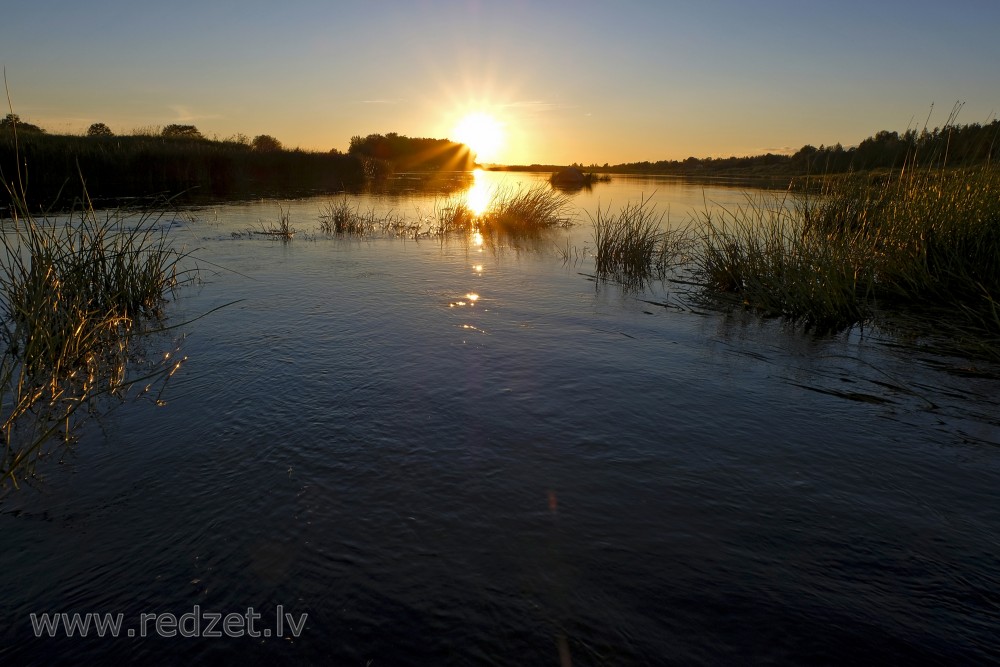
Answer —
75 295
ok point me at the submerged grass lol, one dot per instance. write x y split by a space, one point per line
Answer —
75 293
281 230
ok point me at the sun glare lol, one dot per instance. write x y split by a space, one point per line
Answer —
477 198
482 133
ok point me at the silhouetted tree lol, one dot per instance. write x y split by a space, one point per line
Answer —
266 143
12 121
182 131
99 130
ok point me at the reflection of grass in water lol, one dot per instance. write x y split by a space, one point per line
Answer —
75 296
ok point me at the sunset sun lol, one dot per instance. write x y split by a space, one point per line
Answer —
482 133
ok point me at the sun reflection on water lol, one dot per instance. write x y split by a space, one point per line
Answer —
477 198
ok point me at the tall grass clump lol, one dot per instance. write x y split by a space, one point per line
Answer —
762 254
454 215
631 247
935 234
74 294
338 217
921 240
520 212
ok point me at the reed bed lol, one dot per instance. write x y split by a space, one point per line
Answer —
761 254
511 212
75 293
632 247
917 240
521 212
338 217
454 215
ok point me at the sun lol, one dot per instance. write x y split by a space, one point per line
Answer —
482 133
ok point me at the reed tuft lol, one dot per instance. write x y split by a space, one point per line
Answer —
75 292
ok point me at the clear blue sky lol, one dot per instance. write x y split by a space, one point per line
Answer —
570 81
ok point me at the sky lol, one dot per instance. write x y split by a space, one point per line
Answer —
611 81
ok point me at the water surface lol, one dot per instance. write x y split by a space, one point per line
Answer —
453 453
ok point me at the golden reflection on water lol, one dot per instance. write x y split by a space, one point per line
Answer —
477 197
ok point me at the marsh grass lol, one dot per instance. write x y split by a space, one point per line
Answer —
280 230
75 294
760 255
511 213
923 241
523 212
338 217
454 215
632 247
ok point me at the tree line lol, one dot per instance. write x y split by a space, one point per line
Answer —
176 159
951 145
179 158
262 142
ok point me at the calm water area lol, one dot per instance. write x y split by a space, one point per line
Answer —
454 452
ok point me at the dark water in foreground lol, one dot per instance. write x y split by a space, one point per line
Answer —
552 471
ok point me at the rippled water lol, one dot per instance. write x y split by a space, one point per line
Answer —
447 453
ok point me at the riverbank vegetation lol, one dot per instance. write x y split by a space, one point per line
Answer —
918 245
178 159
921 242
174 160
634 245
